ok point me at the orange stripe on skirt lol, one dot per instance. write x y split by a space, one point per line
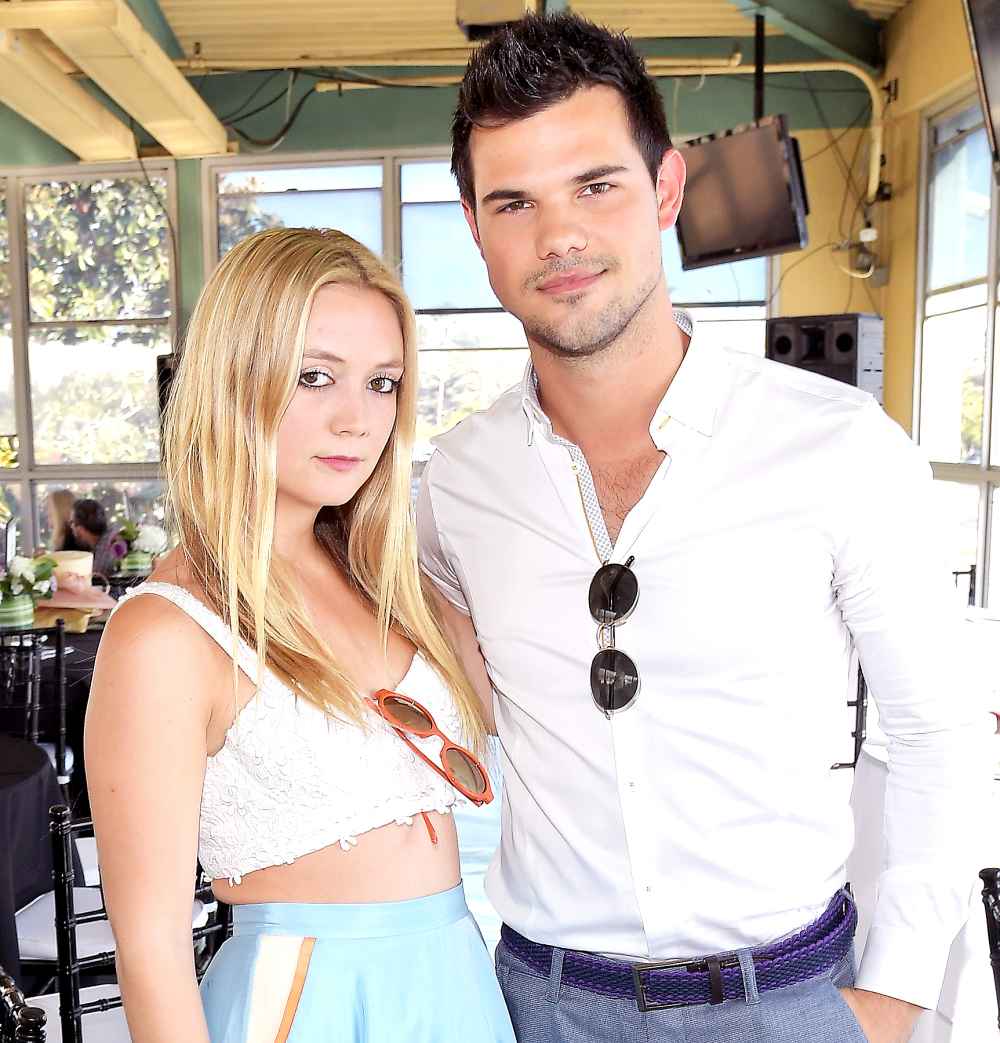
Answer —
295 993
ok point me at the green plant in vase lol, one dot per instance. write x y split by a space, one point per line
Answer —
25 581
140 543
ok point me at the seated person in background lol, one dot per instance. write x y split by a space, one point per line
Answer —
89 526
59 505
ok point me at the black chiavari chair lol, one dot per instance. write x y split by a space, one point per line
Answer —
971 573
22 654
74 1002
19 1022
859 734
991 902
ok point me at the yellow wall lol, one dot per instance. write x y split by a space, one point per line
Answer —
928 55
813 282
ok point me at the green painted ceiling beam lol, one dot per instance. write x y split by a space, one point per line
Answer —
833 29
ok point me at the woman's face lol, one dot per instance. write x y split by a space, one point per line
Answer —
343 410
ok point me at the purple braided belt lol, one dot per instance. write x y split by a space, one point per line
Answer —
807 953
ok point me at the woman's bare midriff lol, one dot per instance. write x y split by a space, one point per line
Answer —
389 864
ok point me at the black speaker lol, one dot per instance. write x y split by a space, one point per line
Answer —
849 348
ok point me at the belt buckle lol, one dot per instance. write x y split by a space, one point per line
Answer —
687 962
712 964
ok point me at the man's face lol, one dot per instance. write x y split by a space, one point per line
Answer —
568 220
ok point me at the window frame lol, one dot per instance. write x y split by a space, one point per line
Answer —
984 475
28 474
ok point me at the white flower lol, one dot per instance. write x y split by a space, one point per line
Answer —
151 539
16 588
20 565
43 587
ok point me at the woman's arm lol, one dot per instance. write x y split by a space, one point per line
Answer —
145 745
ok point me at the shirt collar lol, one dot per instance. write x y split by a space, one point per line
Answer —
691 399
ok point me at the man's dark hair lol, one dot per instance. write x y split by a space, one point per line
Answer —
538 61
90 515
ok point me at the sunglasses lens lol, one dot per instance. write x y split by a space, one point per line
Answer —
614 680
406 715
614 590
465 770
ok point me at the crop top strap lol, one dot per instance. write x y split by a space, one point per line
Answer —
215 627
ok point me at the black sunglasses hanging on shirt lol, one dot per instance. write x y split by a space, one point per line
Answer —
614 679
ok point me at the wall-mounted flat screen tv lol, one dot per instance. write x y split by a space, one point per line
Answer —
745 195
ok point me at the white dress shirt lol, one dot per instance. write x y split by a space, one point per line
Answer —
788 518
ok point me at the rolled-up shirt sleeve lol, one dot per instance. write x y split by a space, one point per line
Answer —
435 561
898 600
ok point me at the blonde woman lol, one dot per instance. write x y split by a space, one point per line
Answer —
241 709
59 506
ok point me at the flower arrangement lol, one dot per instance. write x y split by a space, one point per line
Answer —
136 546
146 539
33 576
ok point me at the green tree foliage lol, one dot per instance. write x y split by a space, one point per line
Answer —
97 249
242 215
972 418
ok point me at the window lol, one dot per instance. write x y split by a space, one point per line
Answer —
956 345
344 196
86 306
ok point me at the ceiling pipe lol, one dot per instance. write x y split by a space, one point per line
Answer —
457 56
708 67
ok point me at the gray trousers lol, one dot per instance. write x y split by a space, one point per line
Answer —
544 1010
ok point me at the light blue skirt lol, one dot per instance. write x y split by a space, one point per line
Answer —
379 972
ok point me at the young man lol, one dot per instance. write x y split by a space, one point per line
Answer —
667 784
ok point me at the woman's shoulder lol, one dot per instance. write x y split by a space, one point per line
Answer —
163 615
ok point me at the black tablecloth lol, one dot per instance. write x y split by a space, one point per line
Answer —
80 657
28 788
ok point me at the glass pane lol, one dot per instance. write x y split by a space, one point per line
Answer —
741 329
11 522
951 390
959 212
356 212
738 281
93 393
945 129
4 260
496 329
8 424
301 179
955 300
441 264
995 417
957 522
97 249
140 501
427 183
993 593
454 384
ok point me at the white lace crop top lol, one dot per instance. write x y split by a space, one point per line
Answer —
290 780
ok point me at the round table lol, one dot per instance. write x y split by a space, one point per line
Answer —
28 788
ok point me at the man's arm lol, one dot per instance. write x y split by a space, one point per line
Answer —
450 598
894 592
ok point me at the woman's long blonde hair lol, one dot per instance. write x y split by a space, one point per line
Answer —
238 371
60 508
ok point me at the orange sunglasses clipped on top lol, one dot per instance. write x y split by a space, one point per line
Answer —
460 767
